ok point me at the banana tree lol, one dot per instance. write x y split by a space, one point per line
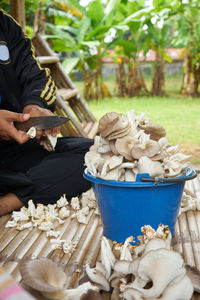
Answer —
83 38
186 35
130 82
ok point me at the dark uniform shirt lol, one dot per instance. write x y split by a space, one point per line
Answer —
22 80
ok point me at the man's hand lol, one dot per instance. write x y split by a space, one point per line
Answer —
7 128
36 111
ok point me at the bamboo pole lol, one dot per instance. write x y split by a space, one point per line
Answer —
176 242
17 10
186 240
77 257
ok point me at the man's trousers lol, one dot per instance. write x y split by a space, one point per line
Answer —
31 172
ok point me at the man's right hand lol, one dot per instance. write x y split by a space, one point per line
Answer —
7 128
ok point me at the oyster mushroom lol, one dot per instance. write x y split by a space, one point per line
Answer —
162 267
146 165
111 163
124 146
155 244
111 123
131 294
122 267
45 276
132 121
113 148
194 274
92 160
148 148
98 278
125 254
48 142
156 131
107 256
32 132
182 289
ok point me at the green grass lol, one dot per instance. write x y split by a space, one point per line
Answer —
179 116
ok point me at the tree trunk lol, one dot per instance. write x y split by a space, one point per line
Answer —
88 92
191 76
158 76
136 85
121 80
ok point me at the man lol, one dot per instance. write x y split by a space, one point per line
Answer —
27 171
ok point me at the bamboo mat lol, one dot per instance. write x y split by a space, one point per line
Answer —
32 243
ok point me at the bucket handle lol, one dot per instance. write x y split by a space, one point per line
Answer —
188 174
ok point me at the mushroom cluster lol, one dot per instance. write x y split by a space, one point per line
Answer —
130 144
189 201
150 271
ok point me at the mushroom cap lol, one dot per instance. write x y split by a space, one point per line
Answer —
106 123
113 148
150 149
43 275
125 145
112 124
146 165
183 289
156 131
118 134
162 267
98 278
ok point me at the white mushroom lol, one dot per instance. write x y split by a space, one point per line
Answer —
194 274
132 294
149 148
181 290
146 165
155 244
162 267
92 160
98 278
156 131
75 204
62 201
48 142
125 254
107 257
111 124
32 132
43 275
124 146
64 213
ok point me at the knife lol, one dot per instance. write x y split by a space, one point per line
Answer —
42 122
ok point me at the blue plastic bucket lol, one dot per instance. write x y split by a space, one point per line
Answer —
127 206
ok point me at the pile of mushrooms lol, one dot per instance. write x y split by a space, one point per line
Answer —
150 270
130 144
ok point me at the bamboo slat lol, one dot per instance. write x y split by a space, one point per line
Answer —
186 240
67 94
43 60
65 107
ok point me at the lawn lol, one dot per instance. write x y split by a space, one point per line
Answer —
179 116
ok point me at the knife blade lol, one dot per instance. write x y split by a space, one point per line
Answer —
41 122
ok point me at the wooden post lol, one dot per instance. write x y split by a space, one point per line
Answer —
17 10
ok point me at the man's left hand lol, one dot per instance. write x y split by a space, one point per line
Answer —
36 111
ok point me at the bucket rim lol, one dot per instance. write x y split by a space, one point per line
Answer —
127 184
